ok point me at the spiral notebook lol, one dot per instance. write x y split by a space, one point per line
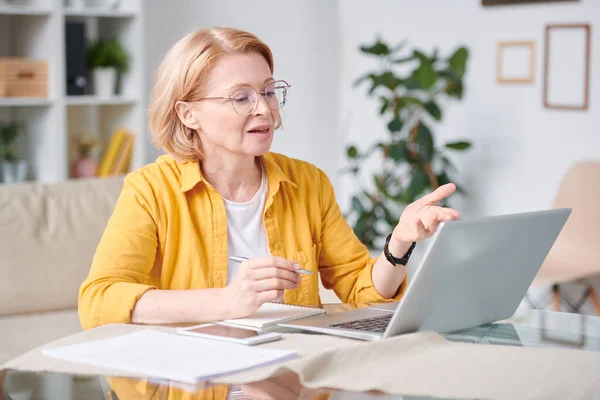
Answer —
270 314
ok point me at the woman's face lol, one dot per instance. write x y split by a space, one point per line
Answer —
221 128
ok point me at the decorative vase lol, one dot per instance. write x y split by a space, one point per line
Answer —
105 81
14 171
84 167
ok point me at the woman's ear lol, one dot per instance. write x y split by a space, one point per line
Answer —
187 115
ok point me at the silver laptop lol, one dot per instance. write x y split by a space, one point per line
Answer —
475 271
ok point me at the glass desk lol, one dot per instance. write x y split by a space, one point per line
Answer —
529 328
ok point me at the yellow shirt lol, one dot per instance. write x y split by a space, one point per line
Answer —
169 231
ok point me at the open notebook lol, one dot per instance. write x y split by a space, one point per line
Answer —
270 314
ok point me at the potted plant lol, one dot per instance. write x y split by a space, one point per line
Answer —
106 60
14 169
411 89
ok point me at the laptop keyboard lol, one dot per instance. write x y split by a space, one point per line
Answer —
373 324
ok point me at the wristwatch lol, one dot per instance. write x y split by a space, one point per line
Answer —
393 260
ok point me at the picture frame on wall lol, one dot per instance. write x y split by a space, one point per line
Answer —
515 62
491 3
567 66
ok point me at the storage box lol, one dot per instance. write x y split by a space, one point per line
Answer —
23 77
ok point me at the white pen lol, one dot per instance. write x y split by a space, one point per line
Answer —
242 259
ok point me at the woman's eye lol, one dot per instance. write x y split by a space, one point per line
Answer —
270 93
241 99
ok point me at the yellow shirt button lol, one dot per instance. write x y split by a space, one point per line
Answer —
269 214
276 246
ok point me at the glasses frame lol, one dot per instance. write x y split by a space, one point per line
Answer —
260 94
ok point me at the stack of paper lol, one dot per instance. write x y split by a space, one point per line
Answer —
150 353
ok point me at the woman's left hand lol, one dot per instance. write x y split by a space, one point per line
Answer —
421 218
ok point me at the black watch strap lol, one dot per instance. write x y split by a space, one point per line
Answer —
393 260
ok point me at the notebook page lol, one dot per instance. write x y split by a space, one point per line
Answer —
273 313
170 356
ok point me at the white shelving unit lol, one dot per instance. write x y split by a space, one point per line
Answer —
36 29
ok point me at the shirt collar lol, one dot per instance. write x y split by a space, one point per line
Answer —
191 174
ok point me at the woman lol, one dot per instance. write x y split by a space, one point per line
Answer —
219 192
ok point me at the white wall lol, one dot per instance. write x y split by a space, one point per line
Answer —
304 41
521 149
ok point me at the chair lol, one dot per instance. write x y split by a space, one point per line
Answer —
575 256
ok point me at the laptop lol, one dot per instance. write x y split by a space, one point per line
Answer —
475 271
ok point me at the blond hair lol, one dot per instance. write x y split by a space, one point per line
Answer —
182 76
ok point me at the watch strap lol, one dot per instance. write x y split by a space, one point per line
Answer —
394 260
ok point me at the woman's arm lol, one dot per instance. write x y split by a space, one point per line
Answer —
387 278
345 264
257 281
176 306
123 262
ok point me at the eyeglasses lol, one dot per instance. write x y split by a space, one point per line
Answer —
245 100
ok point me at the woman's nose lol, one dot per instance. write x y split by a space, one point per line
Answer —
262 106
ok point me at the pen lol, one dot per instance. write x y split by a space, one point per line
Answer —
242 259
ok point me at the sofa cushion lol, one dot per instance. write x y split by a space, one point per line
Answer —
48 236
22 333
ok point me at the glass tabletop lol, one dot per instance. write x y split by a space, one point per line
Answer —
529 328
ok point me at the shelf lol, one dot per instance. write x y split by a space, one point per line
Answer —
99 12
100 101
24 102
23 10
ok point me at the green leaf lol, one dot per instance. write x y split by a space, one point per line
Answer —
359 226
357 205
412 83
458 145
458 61
434 110
424 141
397 151
443 178
384 105
418 183
378 49
395 125
407 100
352 152
426 76
421 57
107 53
403 60
386 79
455 89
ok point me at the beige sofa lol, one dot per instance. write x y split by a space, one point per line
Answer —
48 236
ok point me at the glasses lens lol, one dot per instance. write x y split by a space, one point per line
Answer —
243 100
276 94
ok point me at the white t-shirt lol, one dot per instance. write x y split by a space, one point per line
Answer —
246 235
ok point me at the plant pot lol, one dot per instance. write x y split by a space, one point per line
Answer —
14 171
105 81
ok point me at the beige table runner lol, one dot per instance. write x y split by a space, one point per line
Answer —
423 364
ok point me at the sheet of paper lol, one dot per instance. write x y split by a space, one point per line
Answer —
170 356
